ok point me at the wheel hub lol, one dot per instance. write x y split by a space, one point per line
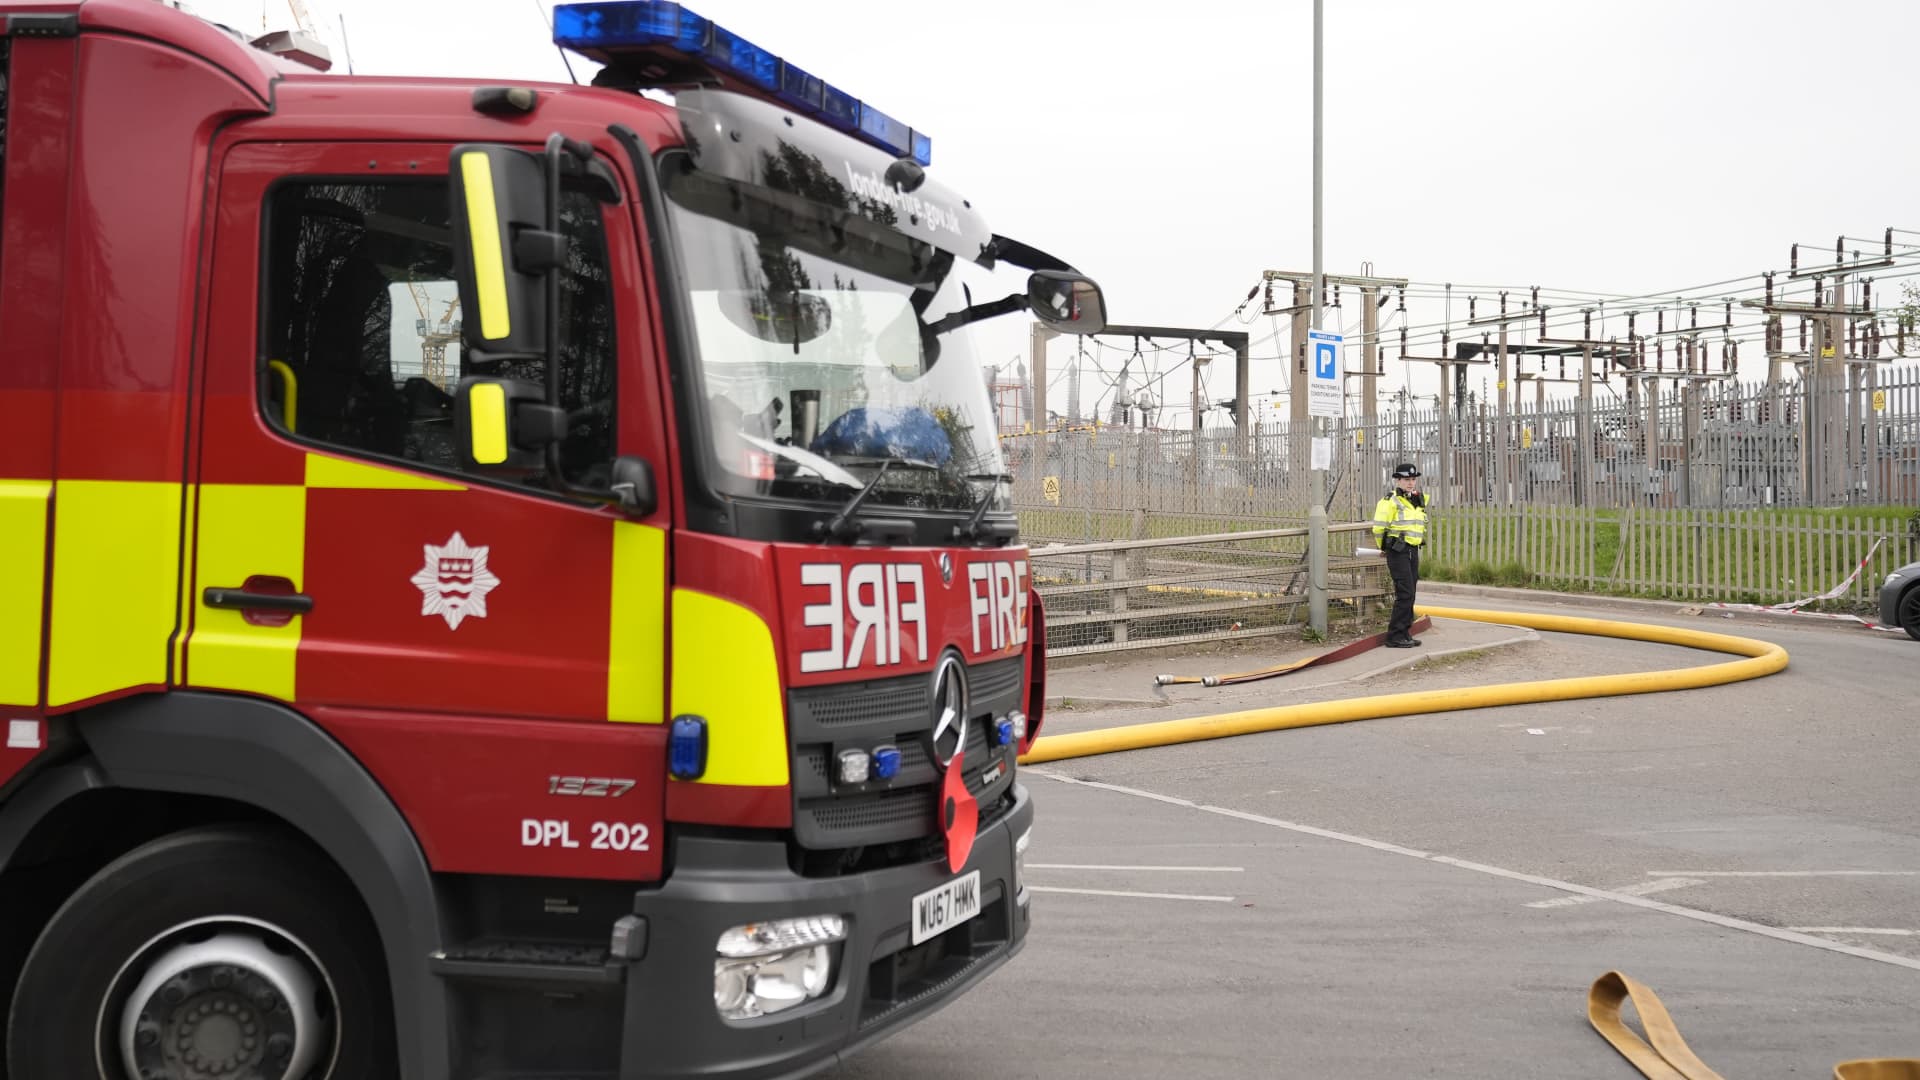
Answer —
228 1007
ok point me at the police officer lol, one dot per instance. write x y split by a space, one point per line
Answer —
1399 529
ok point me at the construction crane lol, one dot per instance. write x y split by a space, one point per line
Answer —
434 336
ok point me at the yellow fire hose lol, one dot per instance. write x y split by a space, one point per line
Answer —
1761 658
1667 1057
1664 1055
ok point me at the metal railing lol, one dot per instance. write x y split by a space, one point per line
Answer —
1152 592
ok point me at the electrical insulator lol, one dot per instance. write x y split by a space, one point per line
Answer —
1769 288
1803 333
1793 262
1889 242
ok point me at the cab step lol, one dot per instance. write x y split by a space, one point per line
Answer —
565 964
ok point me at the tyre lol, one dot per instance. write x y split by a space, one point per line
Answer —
1909 612
218 953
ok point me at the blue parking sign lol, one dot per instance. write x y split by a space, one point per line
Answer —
1326 394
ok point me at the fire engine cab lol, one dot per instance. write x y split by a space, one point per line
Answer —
496 579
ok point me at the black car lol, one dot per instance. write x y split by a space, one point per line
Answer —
1900 600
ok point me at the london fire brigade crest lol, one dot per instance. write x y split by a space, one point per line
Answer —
455 581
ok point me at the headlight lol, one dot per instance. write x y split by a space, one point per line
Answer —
1020 857
765 968
1895 576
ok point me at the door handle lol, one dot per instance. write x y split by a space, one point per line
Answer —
248 600
262 600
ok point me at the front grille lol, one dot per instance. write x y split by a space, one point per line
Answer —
825 720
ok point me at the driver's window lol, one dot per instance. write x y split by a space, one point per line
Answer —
361 347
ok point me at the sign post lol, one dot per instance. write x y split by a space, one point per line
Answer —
1326 399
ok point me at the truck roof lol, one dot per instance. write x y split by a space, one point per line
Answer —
295 92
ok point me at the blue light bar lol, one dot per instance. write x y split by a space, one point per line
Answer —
632 29
587 25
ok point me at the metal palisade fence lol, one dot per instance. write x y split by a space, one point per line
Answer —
1702 445
1710 490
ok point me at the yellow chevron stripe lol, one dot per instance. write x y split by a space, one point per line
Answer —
725 670
116 586
636 641
247 529
333 472
23 578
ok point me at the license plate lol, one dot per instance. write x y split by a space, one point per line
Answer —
937 911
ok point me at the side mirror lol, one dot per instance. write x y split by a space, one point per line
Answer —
504 426
501 249
1069 303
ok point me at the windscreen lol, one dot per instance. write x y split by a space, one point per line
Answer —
829 345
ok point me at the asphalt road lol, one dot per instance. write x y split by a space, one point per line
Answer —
1433 895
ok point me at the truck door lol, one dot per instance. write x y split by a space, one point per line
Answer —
485 646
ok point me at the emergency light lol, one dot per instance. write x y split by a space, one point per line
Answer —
627 34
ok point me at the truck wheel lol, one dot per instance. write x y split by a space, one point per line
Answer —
217 953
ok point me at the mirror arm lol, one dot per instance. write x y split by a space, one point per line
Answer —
977 312
1006 249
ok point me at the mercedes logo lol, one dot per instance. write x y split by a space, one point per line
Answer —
950 707
946 569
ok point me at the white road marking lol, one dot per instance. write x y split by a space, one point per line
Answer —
1100 866
1852 930
1141 895
1783 873
1695 914
1641 889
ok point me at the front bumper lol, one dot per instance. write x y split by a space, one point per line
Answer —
880 982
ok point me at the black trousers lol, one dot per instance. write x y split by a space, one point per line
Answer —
1404 564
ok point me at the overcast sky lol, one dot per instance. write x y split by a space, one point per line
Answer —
1626 146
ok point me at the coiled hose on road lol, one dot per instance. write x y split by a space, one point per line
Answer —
1663 1054
1761 658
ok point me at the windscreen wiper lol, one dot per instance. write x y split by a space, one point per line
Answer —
846 526
974 530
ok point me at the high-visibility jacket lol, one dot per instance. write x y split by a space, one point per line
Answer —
1395 516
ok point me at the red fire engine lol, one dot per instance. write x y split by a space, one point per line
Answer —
623 679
